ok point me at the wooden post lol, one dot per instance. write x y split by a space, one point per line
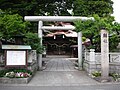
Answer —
104 56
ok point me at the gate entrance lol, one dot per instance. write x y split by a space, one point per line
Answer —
40 20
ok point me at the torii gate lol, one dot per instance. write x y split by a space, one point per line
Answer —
40 20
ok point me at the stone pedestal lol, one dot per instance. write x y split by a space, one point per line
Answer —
40 61
92 55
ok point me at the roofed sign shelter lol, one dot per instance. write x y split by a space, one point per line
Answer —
16 55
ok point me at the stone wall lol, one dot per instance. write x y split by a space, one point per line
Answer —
32 61
92 62
2 61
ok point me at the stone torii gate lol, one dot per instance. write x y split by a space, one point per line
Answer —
40 20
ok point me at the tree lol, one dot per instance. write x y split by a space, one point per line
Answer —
91 7
36 7
57 7
33 40
116 28
91 29
11 25
114 36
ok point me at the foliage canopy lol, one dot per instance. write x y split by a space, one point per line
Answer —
58 7
11 25
91 29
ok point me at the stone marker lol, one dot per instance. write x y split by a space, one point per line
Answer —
104 56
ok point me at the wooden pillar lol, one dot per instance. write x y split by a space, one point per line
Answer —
104 55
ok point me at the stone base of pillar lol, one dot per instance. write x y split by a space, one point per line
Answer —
79 68
103 80
40 62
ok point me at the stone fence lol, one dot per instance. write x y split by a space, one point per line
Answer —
92 61
31 61
1 59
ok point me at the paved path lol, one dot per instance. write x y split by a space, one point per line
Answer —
60 64
61 78
61 72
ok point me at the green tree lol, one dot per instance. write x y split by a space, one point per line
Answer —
33 40
91 29
91 7
36 7
116 28
11 25
57 7
114 36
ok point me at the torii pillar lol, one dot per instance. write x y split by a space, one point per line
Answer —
40 24
80 50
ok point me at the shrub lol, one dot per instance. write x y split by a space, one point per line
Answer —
115 76
96 73
33 40
15 73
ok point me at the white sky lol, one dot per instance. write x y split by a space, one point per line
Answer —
116 7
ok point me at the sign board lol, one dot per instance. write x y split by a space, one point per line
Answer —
15 57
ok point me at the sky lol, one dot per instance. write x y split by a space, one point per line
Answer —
116 8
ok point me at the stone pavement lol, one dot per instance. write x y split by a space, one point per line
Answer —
61 78
60 72
60 64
